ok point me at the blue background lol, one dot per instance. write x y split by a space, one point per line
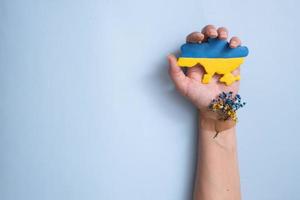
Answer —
87 110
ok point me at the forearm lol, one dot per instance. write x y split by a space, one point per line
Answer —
217 176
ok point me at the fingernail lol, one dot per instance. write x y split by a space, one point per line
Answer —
223 35
233 43
213 33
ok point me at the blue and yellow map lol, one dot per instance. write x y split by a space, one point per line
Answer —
216 57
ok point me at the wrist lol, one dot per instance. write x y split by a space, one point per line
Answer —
222 133
209 121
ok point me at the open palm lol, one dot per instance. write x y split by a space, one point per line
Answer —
190 84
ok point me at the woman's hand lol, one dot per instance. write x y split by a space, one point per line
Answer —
217 175
190 85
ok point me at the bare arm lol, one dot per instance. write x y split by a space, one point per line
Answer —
217 170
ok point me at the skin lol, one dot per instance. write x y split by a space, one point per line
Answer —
217 176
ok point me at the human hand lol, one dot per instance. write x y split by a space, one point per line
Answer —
190 85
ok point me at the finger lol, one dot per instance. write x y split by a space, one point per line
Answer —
222 33
195 37
236 71
234 42
210 31
178 77
195 73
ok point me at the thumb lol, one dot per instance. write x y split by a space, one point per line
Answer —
178 77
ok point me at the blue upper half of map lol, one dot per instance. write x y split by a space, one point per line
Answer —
213 48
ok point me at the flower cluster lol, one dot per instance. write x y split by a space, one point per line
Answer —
226 105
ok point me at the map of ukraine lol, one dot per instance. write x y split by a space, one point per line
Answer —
216 57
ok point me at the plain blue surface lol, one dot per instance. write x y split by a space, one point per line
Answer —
87 110
213 48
